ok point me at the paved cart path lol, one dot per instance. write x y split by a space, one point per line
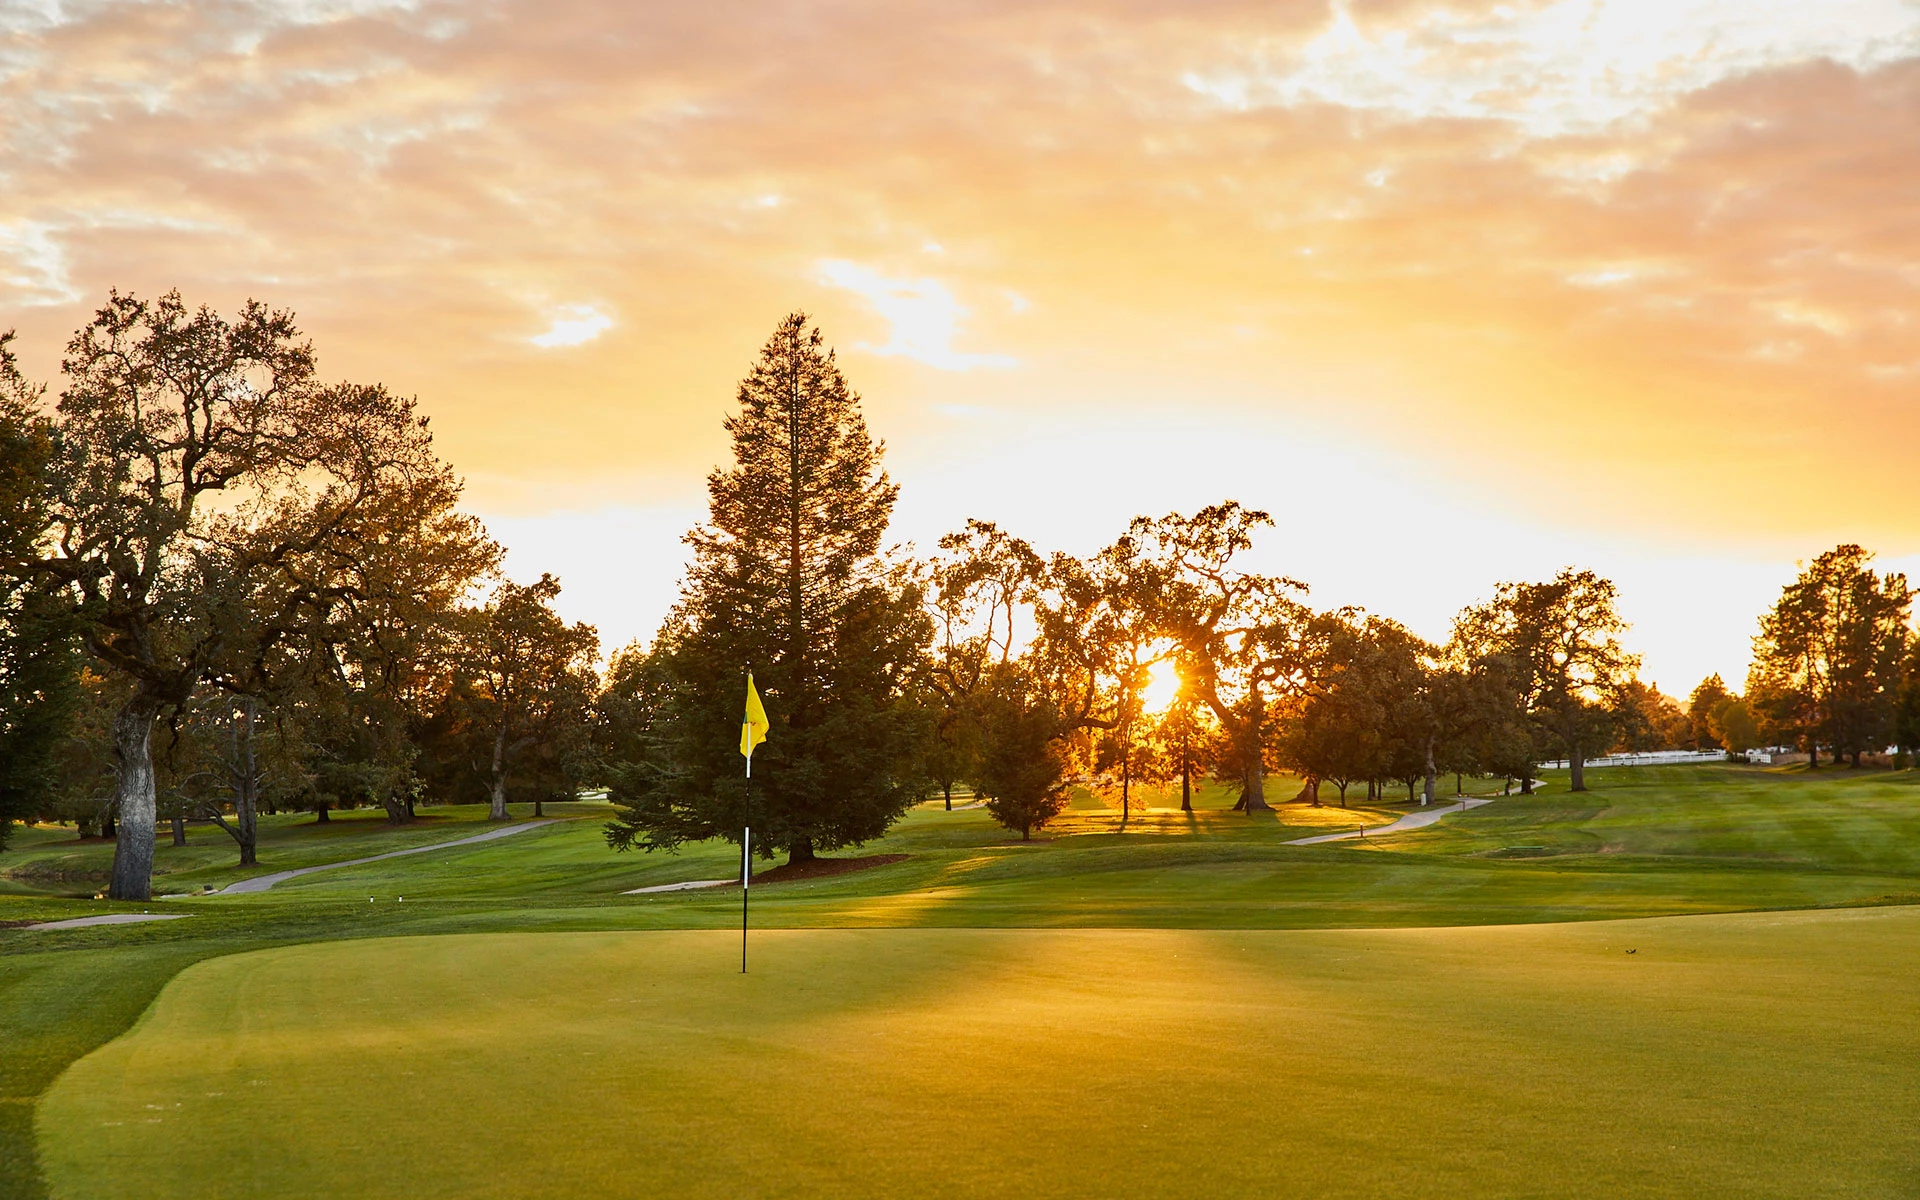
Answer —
689 885
261 883
1413 820
107 919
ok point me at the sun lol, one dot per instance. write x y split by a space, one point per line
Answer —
1163 687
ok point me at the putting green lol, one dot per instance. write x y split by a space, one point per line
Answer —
1750 1055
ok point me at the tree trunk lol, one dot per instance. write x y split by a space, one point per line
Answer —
246 800
1186 777
1412 781
411 815
133 797
179 829
1426 794
947 790
247 816
1813 752
1856 760
1526 784
321 815
397 813
1343 792
107 830
538 807
801 850
1576 768
1126 796
1458 788
1254 788
498 798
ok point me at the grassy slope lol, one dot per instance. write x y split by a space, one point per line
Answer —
48 861
1646 842
1516 1061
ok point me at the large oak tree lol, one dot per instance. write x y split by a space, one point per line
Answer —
210 488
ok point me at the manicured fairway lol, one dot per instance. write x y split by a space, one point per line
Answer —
1768 1054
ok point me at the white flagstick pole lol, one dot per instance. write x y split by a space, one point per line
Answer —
746 864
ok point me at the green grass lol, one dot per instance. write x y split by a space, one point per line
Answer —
51 860
1645 843
1752 1056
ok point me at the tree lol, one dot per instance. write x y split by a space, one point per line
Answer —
1708 696
975 588
1338 733
208 491
1827 662
1561 639
1240 637
1733 725
1099 623
385 686
788 578
1187 738
1023 768
223 751
1645 718
526 679
1906 720
39 666
1485 707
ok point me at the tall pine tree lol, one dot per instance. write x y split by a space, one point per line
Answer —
788 578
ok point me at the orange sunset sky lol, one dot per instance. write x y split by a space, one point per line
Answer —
1459 291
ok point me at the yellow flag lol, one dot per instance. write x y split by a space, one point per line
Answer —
753 726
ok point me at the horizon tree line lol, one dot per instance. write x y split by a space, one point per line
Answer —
230 588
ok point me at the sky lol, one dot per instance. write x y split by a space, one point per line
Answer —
1459 292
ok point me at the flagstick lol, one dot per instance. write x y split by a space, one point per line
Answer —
746 865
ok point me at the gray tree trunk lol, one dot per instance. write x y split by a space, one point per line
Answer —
498 810
246 800
179 829
133 796
1576 768
1426 796
1253 788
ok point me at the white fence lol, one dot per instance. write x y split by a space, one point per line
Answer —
1652 758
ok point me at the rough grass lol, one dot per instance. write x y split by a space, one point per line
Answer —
1764 1055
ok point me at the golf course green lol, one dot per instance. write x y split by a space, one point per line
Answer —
1689 981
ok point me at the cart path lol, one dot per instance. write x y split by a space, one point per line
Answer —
689 885
108 919
260 883
1413 820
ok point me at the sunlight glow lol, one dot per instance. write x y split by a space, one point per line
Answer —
1163 687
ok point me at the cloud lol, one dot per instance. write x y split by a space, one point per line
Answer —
33 265
573 325
1552 69
1656 249
923 314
